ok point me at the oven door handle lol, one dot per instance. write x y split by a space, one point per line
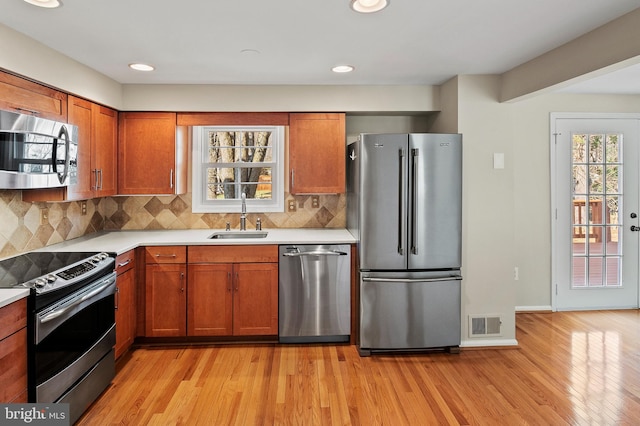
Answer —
55 314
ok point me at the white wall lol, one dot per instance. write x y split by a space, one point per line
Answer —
24 56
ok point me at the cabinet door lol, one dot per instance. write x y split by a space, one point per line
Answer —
125 311
255 300
317 153
104 150
166 303
82 184
210 300
27 97
13 367
147 153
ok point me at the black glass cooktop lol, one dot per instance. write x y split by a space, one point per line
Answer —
28 266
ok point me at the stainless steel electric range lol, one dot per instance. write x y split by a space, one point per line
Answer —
71 324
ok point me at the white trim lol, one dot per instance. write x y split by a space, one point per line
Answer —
539 308
488 343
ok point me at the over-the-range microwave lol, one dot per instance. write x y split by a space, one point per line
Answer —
36 152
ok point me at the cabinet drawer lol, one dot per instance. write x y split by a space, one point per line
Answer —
125 261
233 254
166 254
13 317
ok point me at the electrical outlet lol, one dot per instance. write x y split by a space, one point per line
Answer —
44 216
315 201
292 205
84 208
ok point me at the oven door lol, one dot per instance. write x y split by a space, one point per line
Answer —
71 336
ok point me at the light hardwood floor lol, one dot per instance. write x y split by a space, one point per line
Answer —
569 368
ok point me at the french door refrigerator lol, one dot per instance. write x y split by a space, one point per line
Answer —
404 196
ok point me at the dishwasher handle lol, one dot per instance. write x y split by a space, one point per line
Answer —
314 253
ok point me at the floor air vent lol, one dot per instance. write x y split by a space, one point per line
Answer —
489 325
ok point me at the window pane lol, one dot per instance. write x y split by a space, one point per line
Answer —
595 210
235 147
612 178
611 210
614 245
595 179
579 266
596 149
579 148
613 149
613 271
580 216
579 179
595 272
579 241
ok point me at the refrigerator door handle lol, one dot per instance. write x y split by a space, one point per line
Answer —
414 200
401 201
412 280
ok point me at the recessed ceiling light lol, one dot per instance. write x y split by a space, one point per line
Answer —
141 67
342 68
45 3
369 6
250 52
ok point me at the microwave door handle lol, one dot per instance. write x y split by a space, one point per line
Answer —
401 201
65 135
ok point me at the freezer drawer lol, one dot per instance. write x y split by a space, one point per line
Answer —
314 297
409 313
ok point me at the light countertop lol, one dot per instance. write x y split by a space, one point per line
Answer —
121 241
10 295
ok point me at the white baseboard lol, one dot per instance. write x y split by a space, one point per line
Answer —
481 343
542 308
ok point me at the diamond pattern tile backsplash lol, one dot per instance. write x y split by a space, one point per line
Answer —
29 226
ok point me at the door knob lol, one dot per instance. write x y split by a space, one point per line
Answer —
635 228
633 215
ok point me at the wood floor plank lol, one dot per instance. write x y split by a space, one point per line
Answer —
569 368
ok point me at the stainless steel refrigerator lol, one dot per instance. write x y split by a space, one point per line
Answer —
404 197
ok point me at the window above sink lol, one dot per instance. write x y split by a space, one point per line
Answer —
230 160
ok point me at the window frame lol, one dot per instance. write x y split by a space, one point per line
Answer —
200 204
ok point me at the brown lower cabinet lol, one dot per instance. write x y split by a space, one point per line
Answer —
13 352
221 291
232 299
125 302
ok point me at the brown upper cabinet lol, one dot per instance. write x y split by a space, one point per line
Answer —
97 155
24 96
152 154
317 153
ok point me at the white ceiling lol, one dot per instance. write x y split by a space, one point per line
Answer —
410 42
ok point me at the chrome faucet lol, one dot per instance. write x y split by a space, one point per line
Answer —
243 215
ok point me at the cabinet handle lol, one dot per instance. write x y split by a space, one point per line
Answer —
171 179
293 175
117 298
30 111
100 184
237 281
166 255
182 282
125 263
229 285
94 173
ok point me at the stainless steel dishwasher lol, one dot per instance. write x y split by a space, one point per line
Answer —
314 295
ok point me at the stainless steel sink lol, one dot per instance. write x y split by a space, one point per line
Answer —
238 234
